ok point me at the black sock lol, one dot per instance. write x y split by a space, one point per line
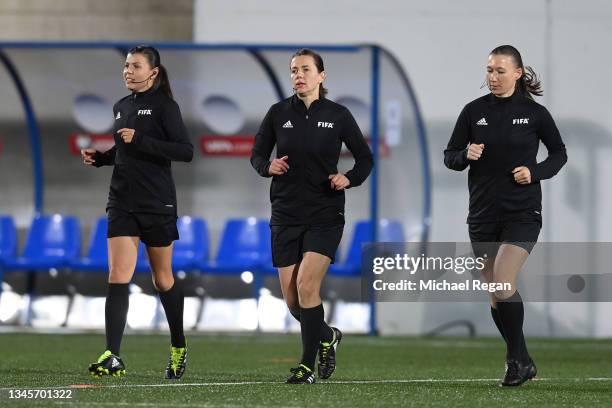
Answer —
495 316
511 314
327 334
116 309
524 353
295 313
311 320
172 300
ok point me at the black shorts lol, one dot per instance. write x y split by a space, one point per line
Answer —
155 230
289 242
487 237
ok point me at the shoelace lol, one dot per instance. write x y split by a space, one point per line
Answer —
177 359
323 353
298 372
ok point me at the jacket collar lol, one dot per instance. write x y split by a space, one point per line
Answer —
298 105
516 95
137 96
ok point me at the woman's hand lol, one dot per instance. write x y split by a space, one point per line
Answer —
126 134
475 151
87 155
279 166
522 175
339 181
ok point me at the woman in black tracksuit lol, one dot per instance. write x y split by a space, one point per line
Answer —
307 195
497 136
149 134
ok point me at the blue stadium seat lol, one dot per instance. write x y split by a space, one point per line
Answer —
97 253
388 231
54 241
8 239
188 251
193 246
8 243
245 245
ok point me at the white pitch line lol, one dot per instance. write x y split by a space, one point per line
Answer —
390 381
476 344
457 380
188 384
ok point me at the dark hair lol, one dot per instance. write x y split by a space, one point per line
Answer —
152 55
529 83
318 63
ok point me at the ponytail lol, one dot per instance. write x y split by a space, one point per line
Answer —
529 83
322 91
162 81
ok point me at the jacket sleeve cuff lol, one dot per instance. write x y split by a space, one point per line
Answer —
464 159
266 170
136 139
349 176
535 174
99 159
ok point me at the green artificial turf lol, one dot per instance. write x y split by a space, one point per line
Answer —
248 370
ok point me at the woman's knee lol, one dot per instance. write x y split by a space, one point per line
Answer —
307 288
503 294
163 281
505 285
120 273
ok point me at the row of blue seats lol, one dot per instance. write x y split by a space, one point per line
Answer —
54 241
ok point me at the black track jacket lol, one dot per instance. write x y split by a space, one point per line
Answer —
142 179
511 129
312 139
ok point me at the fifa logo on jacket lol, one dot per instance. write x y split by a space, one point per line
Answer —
144 111
522 121
329 125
